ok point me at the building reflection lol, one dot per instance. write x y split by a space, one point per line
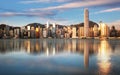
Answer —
28 46
41 46
104 53
53 47
86 53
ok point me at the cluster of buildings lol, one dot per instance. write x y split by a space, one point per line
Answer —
54 31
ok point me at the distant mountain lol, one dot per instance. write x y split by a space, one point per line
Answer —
91 24
36 25
43 25
2 26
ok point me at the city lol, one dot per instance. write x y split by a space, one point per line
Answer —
88 29
59 37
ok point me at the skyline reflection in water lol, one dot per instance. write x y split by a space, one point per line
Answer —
104 53
95 55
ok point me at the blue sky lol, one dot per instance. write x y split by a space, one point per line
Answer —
23 12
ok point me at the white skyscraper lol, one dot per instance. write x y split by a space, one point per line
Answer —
86 22
47 24
53 25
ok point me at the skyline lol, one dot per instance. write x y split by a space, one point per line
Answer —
67 12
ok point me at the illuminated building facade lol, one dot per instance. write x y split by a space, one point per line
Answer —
104 30
80 32
73 32
28 28
95 30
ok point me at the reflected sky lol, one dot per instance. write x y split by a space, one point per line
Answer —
59 56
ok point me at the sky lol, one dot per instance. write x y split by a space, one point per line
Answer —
66 12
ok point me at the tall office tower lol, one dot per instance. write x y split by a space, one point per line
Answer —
95 30
22 31
7 30
32 32
73 32
53 30
28 28
81 31
47 25
104 30
44 33
18 32
53 25
86 22
15 32
11 33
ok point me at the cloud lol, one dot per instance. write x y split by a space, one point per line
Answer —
78 4
44 16
109 10
115 23
29 14
42 1
50 12
61 21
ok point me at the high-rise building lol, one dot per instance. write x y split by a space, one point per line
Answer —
104 30
73 32
95 30
7 30
28 28
32 32
53 25
81 32
37 32
22 31
86 22
11 33
44 33
53 30
16 32
47 25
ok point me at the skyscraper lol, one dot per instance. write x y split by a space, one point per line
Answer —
47 25
104 30
86 22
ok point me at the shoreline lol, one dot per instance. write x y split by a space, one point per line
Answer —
88 38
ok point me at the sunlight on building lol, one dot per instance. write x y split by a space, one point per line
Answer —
47 25
28 27
53 25
37 29
104 30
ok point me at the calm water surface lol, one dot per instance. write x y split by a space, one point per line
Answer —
59 57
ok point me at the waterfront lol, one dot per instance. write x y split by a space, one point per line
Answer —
60 56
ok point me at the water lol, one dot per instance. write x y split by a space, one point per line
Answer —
59 57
